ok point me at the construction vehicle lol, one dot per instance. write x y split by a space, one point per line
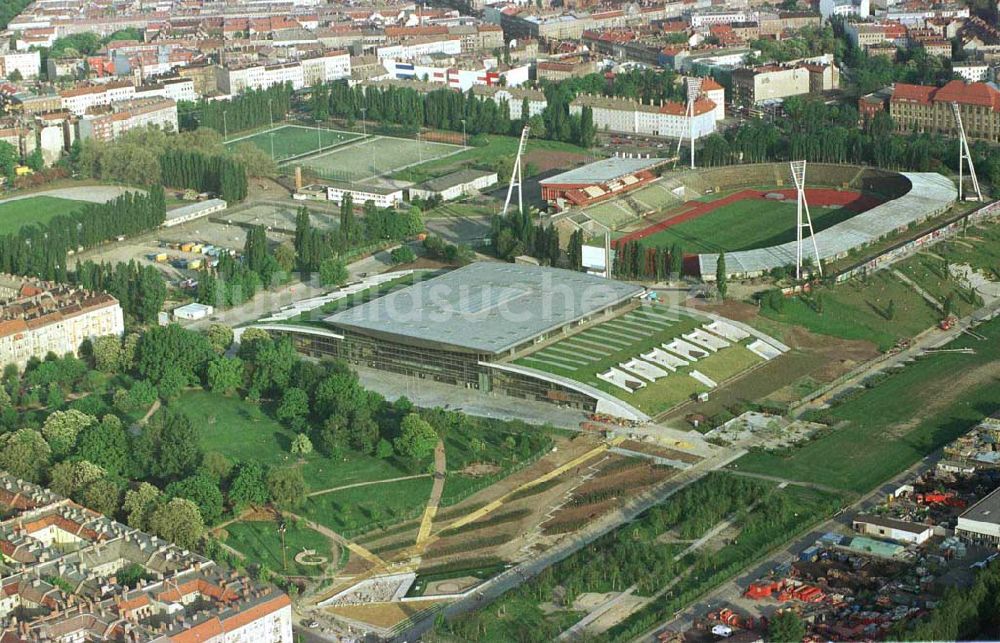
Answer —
948 322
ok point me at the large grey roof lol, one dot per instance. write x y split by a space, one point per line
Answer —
603 170
930 193
484 307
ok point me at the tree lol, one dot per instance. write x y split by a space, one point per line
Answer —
61 429
225 374
294 406
417 438
216 465
170 442
286 486
107 352
202 490
247 487
172 350
721 278
333 272
103 496
284 254
220 337
890 311
384 450
105 444
786 627
402 254
302 445
68 478
139 505
178 521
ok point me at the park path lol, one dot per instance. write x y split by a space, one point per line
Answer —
153 408
340 540
365 484
602 609
798 483
440 467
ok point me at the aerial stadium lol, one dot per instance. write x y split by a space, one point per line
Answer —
542 334
748 212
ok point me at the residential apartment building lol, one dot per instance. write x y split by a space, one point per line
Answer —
236 80
922 108
182 596
27 64
326 67
80 99
873 34
417 48
111 122
972 72
751 86
38 318
176 89
515 98
664 118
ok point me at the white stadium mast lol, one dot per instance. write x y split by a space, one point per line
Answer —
693 92
964 156
802 224
516 176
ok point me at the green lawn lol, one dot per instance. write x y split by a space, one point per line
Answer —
260 542
744 225
243 431
864 452
35 209
355 511
294 140
859 309
582 356
980 248
932 275
484 157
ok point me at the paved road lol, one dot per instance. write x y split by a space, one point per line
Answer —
494 588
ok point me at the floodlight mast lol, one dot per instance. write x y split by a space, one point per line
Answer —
693 92
803 223
964 156
516 175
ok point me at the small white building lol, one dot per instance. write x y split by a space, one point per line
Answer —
28 64
383 197
662 118
193 311
455 185
899 531
193 211
972 72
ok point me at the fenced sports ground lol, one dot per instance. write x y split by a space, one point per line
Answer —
286 142
375 156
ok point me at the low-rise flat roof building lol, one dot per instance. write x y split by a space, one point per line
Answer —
193 211
455 185
980 524
891 529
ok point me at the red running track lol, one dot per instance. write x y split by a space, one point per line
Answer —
817 197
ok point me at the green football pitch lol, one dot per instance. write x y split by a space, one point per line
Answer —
376 156
291 141
35 209
743 225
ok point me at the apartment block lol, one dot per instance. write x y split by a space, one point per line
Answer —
664 118
109 123
924 108
38 318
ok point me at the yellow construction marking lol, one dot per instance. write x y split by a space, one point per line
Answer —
496 504
425 523
364 553
406 560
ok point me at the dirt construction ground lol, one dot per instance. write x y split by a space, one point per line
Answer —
814 360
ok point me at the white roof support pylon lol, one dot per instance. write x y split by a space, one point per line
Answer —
964 156
516 175
803 223
693 92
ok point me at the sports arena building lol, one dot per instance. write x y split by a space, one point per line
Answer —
464 328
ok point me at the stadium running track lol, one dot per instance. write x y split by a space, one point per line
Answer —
817 197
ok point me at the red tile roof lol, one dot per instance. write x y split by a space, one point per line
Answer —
955 91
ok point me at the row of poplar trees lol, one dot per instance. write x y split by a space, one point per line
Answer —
632 260
195 170
41 249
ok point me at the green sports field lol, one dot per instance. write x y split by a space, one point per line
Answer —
291 141
376 156
744 225
36 209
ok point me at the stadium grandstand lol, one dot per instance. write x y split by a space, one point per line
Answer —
929 194
599 181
